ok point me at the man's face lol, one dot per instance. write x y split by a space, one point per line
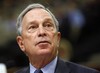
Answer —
39 34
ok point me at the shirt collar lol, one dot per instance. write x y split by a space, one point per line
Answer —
49 68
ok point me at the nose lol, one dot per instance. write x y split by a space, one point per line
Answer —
41 32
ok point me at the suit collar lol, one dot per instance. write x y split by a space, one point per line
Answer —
62 67
27 70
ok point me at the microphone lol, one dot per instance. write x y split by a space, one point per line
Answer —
3 68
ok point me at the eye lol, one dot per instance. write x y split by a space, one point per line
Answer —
48 25
32 28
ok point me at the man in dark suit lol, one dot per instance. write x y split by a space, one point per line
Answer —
38 37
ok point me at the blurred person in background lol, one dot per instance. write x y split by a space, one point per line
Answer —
38 37
72 22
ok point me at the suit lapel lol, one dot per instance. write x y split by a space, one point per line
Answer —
27 70
61 67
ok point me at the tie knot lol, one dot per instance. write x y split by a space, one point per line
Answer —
38 71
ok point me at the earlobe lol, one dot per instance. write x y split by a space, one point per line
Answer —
20 43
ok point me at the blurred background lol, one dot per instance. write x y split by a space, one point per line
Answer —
79 22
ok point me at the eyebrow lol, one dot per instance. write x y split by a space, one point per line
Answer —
48 19
45 20
33 22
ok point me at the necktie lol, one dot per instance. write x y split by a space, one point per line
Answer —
38 71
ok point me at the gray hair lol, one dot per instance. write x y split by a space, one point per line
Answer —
28 8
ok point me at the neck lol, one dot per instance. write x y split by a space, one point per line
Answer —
41 62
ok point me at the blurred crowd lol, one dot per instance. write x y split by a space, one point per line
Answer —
79 22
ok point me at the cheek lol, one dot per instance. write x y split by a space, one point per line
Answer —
29 47
28 43
54 39
29 38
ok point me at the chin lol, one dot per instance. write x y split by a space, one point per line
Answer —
45 52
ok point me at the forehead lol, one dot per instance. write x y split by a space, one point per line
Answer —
37 13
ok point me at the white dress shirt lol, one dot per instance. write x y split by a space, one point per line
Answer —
49 68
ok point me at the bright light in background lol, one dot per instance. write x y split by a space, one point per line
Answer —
3 68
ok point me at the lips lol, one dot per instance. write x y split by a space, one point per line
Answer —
43 42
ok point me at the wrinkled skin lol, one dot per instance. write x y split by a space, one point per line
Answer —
39 39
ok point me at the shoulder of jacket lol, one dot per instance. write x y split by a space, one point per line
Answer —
22 70
78 67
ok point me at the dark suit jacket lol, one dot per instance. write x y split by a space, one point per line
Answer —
65 67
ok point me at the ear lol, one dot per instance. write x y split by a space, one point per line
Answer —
58 38
20 43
